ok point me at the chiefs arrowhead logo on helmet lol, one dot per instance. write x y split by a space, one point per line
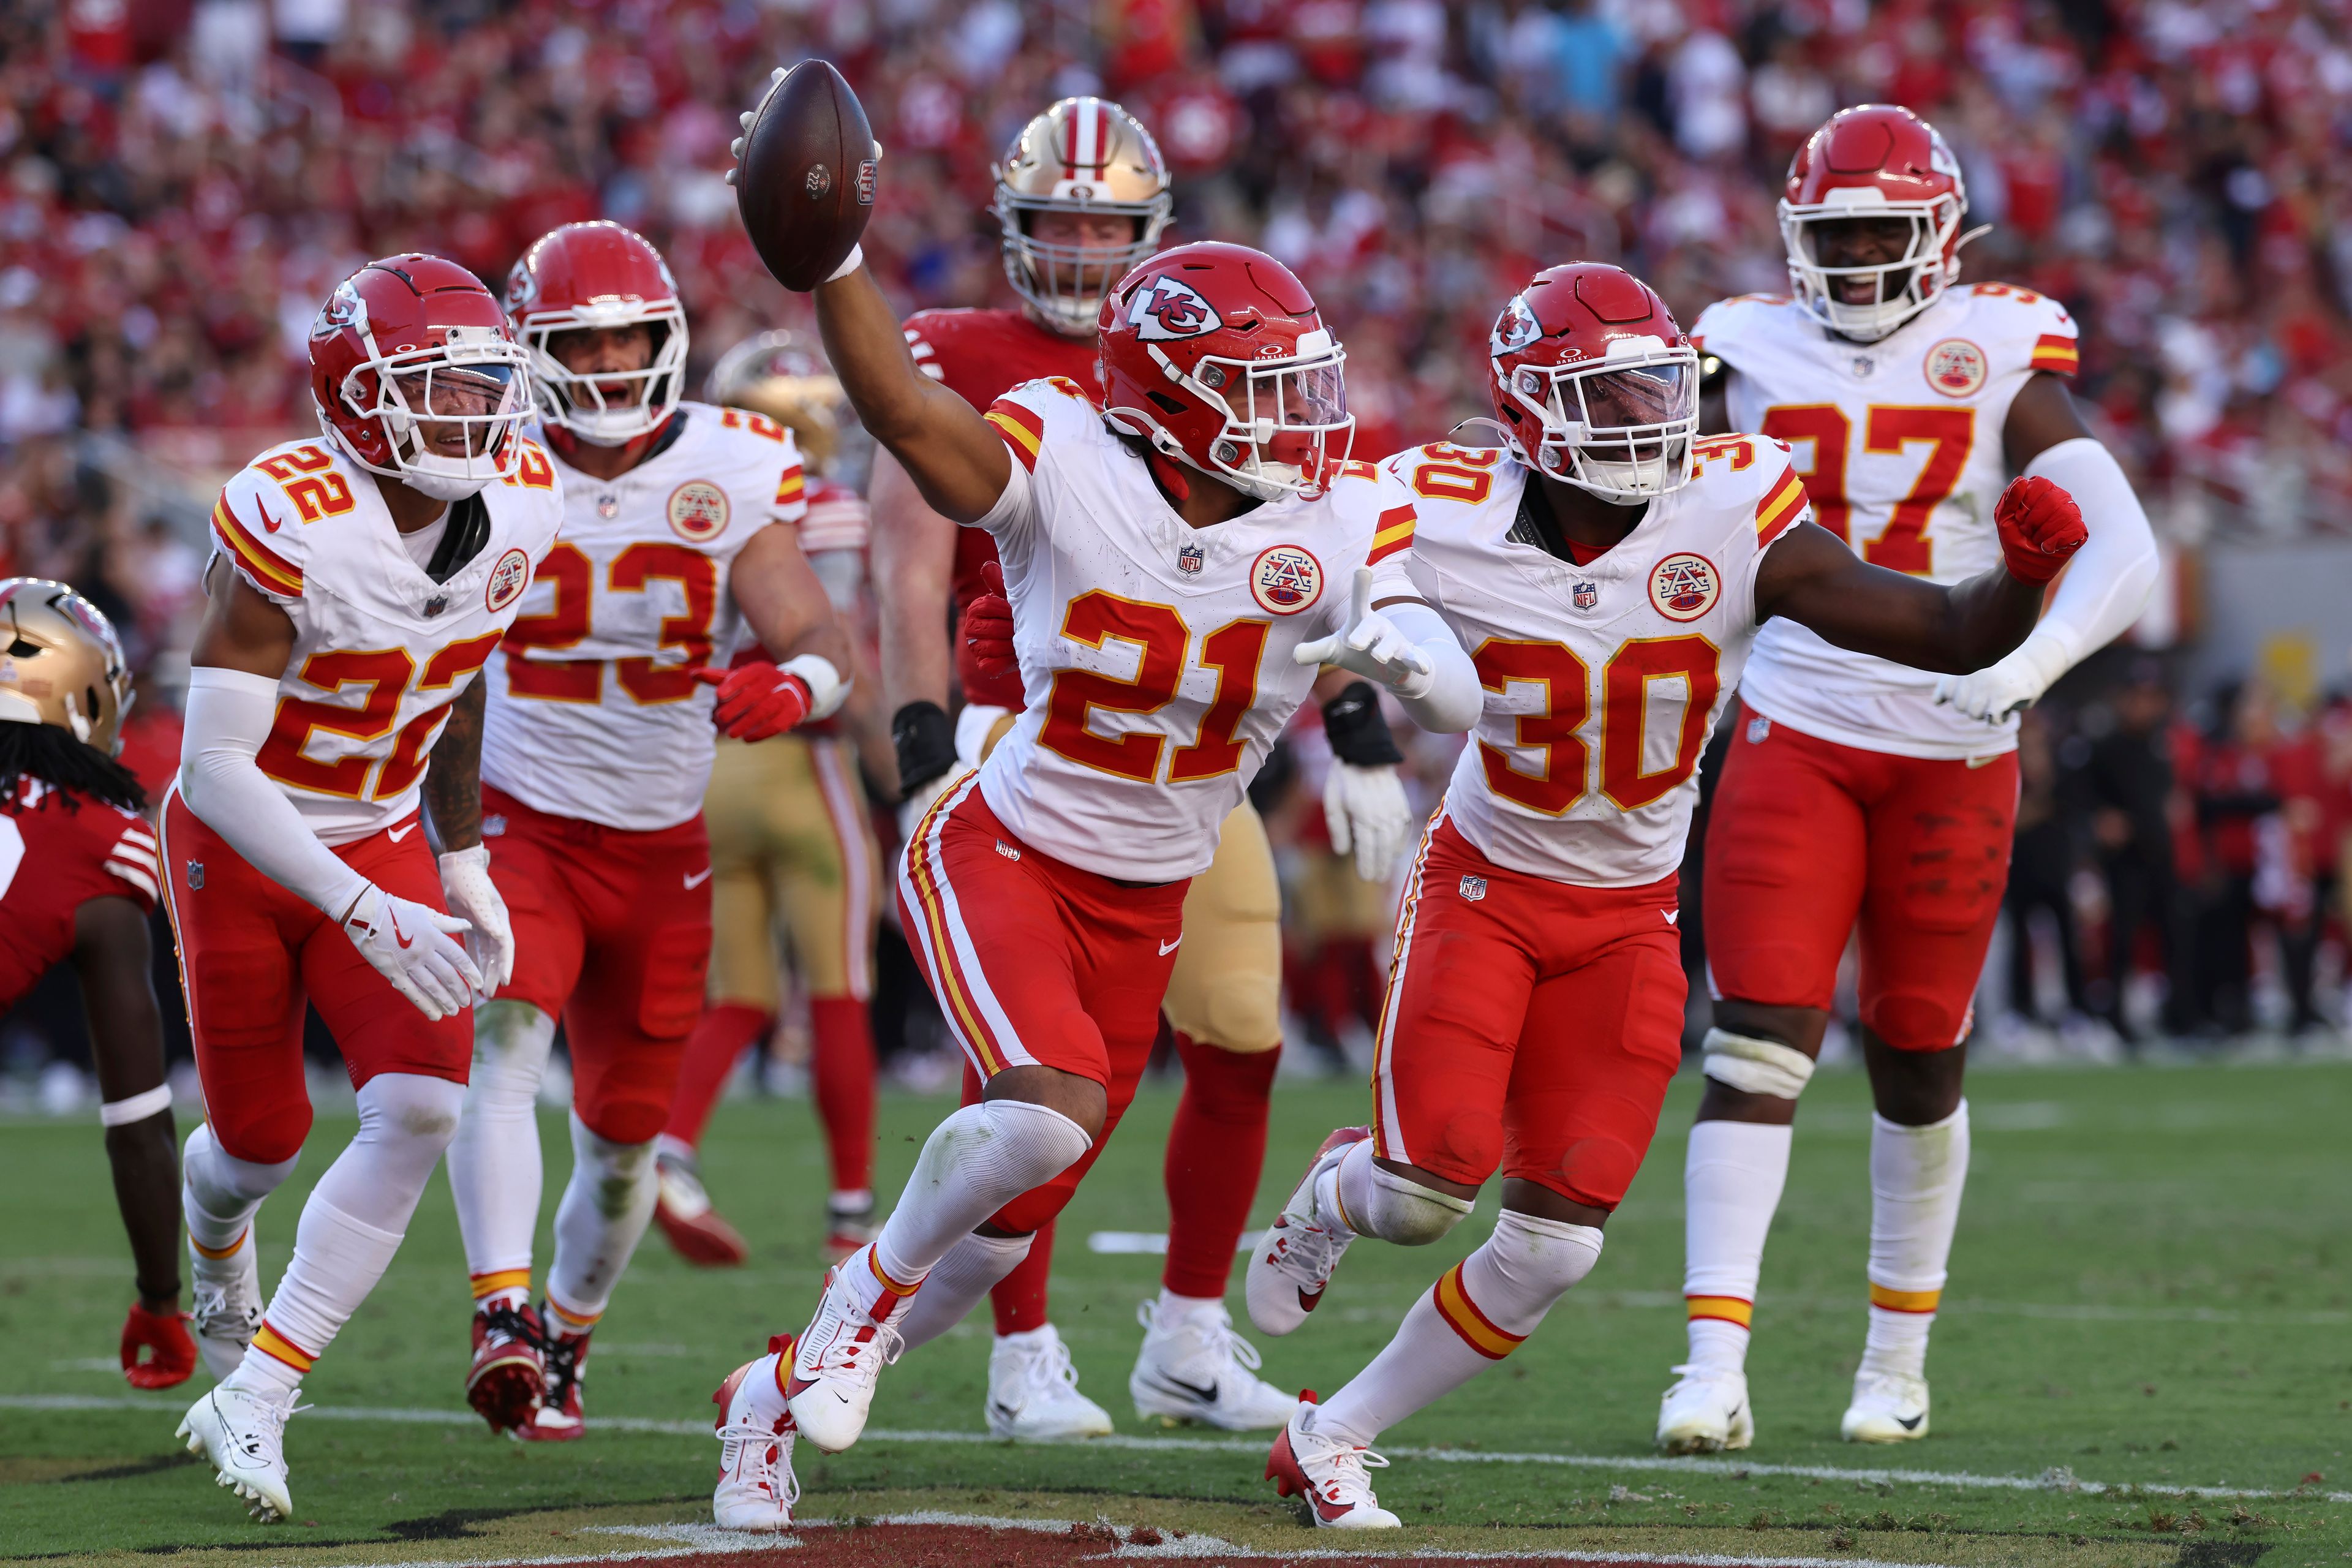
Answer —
1170 308
1516 328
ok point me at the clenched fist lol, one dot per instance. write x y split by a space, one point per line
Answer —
988 633
2040 528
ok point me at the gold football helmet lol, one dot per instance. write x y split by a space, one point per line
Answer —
784 376
60 663
1083 155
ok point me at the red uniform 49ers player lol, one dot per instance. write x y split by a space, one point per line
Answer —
595 751
359 582
1174 562
1609 571
77 881
1857 789
1082 196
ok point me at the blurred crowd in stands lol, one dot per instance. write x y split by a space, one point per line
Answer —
180 182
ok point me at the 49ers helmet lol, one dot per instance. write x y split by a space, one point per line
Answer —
785 378
1216 355
582 277
60 663
411 345
1877 160
1083 155
1594 382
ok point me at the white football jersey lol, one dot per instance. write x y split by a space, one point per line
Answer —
593 714
379 648
1155 656
1602 680
1900 443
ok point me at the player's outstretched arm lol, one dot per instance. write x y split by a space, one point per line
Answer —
956 458
1810 578
242 650
112 960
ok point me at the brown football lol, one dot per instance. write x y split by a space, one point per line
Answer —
804 183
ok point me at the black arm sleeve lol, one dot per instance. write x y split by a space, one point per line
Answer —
1357 732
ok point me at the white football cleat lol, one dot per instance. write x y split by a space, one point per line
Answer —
1330 1474
1198 1369
224 1302
1032 1391
242 1436
1291 1266
1705 1413
1888 1407
838 1359
756 1486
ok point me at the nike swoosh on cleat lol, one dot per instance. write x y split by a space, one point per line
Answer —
1205 1396
1910 1426
1307 1303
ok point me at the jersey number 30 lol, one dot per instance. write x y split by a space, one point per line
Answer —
1625 681
1160 635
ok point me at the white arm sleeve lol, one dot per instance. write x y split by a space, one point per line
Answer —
1455 698
1017 508
2108 583
228 717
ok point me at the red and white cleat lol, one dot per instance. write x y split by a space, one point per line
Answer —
682 1208
1291 1266
839 1358
756 1486
1330 1474
508 1378
560 1417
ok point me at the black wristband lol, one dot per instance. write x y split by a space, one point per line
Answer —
924 738
1358 735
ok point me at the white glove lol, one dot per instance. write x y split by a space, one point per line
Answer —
1999 689
1370 646
465 883
1366 810
911 809
408 943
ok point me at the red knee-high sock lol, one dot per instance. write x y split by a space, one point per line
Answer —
1215 1152
1019 1298
843 1070
710 1053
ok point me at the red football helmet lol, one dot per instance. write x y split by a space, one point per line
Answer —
415 376
1595 384
1216 355
1877 160
591 275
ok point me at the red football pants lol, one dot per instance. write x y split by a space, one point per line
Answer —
1808 838
1037 962
611 934
252 954
1529 1023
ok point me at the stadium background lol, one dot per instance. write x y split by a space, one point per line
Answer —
184 180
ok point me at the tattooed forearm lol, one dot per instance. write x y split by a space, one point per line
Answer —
453 780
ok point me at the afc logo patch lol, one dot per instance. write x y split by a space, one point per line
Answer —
1285 580
1956 367
1474 889
697 511
1168 308
508 578
1189 559
1683 586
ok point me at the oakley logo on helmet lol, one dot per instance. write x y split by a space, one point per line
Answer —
1168 308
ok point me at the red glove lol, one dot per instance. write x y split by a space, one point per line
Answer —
988 638
165 1334
755 700
2040 528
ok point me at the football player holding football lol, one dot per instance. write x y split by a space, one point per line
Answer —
679 525
360 581
792 848
1176 561
1608 570
1082 197
1909 399
77 882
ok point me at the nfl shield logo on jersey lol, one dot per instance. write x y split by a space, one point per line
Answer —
1587 594
1190 558
1474 889
195 876
1285 580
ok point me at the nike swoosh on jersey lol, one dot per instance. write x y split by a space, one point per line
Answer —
1976 762
698 877
397 834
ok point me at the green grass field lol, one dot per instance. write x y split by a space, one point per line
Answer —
2149 1292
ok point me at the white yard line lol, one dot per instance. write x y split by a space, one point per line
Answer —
2056 1478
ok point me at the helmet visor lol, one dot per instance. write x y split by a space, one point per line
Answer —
1650 394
